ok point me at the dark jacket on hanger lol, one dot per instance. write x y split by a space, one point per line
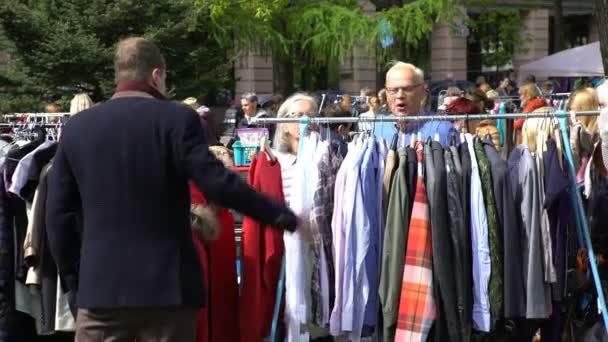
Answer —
465 161
127 163
460 234
443 255
514 301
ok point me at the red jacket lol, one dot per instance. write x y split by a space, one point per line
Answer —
219 266
262 251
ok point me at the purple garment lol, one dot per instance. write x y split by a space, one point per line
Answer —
369 178
557 203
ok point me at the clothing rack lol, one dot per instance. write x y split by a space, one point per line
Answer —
395 118
562 115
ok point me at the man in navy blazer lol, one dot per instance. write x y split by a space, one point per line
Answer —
124 167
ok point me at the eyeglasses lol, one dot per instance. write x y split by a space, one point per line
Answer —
407 89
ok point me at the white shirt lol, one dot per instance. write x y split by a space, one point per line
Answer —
298 251
480 247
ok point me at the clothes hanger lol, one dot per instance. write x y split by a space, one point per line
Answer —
264 147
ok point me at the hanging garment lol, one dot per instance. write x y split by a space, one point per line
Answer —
582 142
262 250
30 165
298 250
462 153
513 279
393 252
557 203
417 310
488 128
222 309
372 172
7 271
350 226
412 175
343 198
392 163
523 180
545 229
323 276
494 234
480 247
444 280
459 235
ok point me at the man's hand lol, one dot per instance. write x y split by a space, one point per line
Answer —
287 220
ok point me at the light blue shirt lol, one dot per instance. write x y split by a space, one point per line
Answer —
481 248
427 129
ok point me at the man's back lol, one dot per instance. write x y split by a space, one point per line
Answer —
127 162
135 203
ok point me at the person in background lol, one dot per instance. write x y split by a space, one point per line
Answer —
287 136
481 79
530 101
382 98
462 105
452 93
530 79
481 101
505 88
251 109
602 94
138 275
405 87
374 109
79 103
53 108
347 103
585 99
336 132
485 87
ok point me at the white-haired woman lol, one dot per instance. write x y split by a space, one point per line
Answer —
79 103
287 136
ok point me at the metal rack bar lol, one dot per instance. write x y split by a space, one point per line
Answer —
395 118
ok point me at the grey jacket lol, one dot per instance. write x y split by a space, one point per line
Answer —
524 182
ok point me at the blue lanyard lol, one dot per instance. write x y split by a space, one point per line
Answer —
582 223
277 304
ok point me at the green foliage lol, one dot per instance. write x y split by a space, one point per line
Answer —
500 35
58 48
325 29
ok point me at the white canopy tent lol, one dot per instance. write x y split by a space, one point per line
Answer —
581 61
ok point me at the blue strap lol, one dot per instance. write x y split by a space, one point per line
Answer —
277 304
501 124
582 221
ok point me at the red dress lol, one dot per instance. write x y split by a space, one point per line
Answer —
219 265
262 250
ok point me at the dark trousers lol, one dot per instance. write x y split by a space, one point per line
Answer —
141 325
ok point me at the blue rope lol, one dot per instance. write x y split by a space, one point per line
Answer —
583 224
277 304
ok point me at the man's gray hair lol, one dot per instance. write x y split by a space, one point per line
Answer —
250 97
398 65
281 136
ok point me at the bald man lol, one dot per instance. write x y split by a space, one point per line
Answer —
405 93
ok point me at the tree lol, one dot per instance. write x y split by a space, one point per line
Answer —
498 31
600 8
57 48
316 31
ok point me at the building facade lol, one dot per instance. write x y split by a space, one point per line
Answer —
451 54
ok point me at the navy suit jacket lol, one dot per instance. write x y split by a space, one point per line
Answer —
125 165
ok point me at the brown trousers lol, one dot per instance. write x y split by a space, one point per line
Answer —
136 325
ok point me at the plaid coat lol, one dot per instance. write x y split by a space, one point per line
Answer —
417 310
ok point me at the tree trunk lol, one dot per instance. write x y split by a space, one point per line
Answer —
282 75
600 9
558 25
